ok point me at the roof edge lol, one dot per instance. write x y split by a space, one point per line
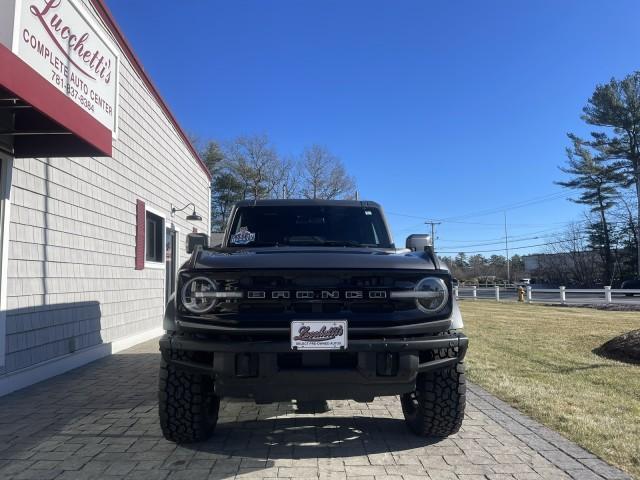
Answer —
110 21
308 201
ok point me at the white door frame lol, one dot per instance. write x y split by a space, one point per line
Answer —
176 229
6 166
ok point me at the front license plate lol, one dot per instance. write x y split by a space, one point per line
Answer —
319 335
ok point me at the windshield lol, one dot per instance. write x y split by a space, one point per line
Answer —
262 226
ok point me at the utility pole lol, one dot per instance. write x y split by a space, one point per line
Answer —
433 231
506 247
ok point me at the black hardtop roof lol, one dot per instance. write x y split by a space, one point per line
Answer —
304 202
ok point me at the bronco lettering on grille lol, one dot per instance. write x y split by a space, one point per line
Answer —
317 294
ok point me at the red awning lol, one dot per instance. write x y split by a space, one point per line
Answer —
40 120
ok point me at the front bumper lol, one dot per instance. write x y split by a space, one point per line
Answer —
269 371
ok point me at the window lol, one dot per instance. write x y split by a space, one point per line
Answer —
154 242
309 225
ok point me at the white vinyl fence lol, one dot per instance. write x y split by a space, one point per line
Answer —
551 295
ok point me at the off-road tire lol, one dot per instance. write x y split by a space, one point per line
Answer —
436 407
187 404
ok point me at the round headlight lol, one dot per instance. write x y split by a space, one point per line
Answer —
198 295
432 294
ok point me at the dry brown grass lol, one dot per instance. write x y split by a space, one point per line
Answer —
540 360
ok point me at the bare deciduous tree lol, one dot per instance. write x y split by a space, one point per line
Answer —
287 179
324 175
570 261
254 162
249 167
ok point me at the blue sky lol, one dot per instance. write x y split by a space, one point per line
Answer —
439 108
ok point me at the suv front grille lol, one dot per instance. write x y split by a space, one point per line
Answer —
274 299
358 307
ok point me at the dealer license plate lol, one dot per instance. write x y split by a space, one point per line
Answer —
319 335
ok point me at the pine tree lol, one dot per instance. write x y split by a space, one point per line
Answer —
616 106
597 181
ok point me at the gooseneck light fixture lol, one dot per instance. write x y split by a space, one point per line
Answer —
194 217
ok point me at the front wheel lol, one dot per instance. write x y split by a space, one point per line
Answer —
187 404
436 407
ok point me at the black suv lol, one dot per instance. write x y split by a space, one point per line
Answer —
311 300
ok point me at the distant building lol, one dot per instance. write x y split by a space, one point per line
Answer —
567 268
532 263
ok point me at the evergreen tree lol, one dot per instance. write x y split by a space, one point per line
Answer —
597 181
616 106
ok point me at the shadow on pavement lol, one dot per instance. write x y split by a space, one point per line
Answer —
101 419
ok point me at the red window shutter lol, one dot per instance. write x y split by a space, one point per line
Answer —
140 234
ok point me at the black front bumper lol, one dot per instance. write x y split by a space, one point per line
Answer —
269 371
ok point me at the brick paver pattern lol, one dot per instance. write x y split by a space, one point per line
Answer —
101 421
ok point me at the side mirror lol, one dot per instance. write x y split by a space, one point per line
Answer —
419 242
195 240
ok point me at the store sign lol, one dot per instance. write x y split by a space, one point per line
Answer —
58 40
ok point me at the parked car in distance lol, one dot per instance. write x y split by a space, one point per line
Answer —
631 285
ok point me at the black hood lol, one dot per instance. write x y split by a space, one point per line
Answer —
312 258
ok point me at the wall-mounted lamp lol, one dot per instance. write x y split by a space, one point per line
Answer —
194 217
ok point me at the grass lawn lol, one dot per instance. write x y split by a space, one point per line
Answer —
539 360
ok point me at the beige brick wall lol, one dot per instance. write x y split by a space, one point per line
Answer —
71 277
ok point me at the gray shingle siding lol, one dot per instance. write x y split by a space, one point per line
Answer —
71 278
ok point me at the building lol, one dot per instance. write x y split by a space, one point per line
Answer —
93 165
575 269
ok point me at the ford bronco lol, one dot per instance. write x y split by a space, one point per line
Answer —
310 300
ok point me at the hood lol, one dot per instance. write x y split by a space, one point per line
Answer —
341 258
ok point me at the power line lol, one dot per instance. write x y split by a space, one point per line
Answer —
512 206
514 248
517 238
523 236
501 242
396 214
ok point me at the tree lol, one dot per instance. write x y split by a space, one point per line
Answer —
616 106
569 260
254 162
517 266
249 167
225 191
477 265
461 261
324 175
212 156
287 179
597 180
627 242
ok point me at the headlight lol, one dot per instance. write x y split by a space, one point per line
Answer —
199 295
432 294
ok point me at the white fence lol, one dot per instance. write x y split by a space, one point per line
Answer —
552 295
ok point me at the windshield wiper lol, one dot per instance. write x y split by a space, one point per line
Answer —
344 243
327 243
258 244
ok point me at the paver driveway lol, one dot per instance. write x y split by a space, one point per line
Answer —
100 421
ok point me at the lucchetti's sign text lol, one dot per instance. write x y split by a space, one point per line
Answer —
58 41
